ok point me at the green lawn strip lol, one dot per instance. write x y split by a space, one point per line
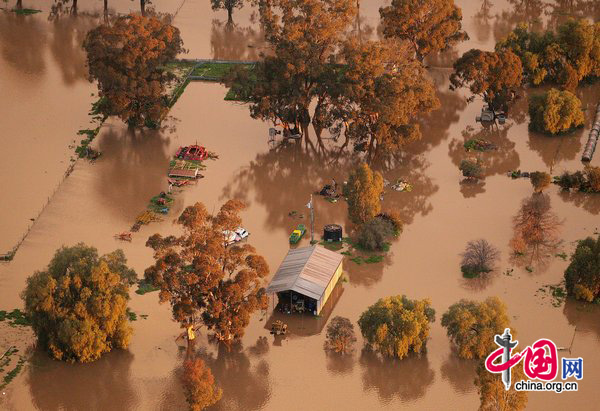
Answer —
144 287
26 12
15 317
12 373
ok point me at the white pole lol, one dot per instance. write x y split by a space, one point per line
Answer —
312 220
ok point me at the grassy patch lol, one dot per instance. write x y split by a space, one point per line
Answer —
213 71
15 317
26 12
332 245
556 292
144 288
132 315
562 255
12 373
469 272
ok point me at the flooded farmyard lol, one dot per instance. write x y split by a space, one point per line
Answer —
47 98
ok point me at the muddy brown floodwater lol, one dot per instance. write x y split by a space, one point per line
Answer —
45 99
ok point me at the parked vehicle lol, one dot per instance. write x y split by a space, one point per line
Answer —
232 237
297 234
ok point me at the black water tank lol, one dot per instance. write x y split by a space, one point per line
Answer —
332 232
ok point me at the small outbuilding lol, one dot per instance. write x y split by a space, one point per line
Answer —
306 278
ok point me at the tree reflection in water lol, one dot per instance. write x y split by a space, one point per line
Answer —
233 42
102 385
22 43
407 379
582 315
460 373
339 364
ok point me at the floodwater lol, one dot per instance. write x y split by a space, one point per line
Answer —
43 75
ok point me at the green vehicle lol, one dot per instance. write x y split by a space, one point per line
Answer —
297 234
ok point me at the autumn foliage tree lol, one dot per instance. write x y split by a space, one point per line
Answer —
396 326
494 396
199 385
472 325
555 112
228 5
205 281
540 180
429 26
363 191
582 276
127 57
340 335
494 76
77 306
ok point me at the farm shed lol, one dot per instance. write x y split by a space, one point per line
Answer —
306 278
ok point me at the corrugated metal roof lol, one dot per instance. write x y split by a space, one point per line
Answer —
306 270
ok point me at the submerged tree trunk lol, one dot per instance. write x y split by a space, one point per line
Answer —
19 5
74 8
105 9
143 7
229 15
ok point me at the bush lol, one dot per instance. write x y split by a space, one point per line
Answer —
479 257
582 276
593 178
396 326
567 181
340 335
374 235
555 112
471 168
471 326
540 180
78 306
394 218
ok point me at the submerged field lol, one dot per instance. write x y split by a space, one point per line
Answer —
103 198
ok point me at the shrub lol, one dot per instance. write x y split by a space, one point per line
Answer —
540 180
396 326
471 168
555 112
374 235
340 335
582 276
479 257
78 305
567 181
394 218
593 178
472 325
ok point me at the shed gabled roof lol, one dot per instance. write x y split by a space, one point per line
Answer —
306 270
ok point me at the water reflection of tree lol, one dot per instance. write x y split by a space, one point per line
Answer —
23 42
133 166
523 11
499 161
232 42
482 21
460 373
339 364
560 11
582 315
100 385
407 379
589 202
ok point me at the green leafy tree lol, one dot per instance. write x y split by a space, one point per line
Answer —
127 57
428 25
472 325
494 396
582 276
364 190
540 180
205 281
492 75
375 234
77 306
340 335
555 112
199 385
396 326
471 169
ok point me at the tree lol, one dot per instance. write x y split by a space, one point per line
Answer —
492 75
78 305
382 91
428 25
364 191
536 227
479 257
375 234
540 180
127 58
472 325
396 326
494 396
228 5
471 169
555 112
199 385
203 279
340 335
582 276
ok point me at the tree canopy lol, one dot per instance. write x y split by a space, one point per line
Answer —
564 57
364 190
228 5
428 25
77 306
472 325
540 180
396 326
204 280
582 276
494 396
340 335
127 57
555 112
199 385
492 75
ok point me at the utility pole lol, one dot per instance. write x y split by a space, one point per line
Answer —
312 221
